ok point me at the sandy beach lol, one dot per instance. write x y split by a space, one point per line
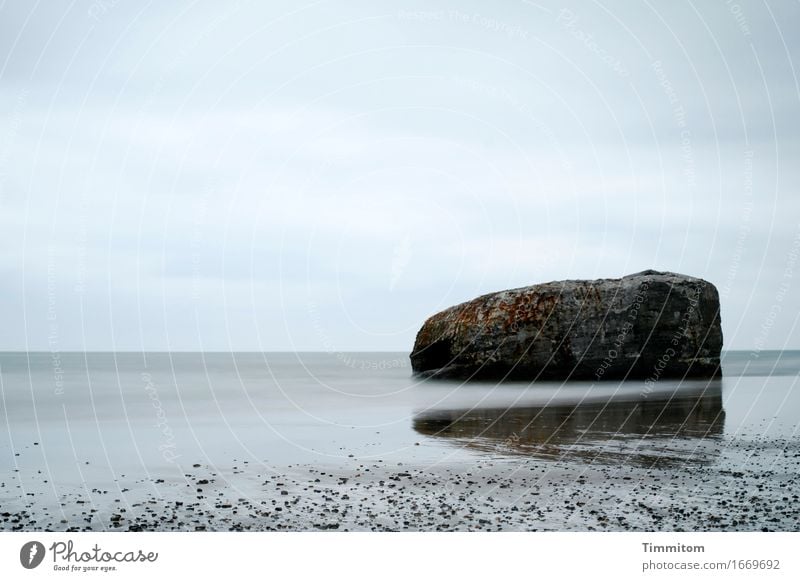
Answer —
711 456
490 495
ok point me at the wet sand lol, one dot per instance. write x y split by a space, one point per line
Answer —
703 456
488 495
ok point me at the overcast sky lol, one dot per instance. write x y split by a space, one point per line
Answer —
325 175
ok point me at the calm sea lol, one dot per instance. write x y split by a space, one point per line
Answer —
78 417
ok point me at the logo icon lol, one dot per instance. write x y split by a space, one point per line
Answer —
31 554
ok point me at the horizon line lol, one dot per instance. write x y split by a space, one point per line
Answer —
68 351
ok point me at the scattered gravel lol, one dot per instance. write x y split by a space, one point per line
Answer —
750 486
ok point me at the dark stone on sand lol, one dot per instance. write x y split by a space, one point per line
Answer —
649 325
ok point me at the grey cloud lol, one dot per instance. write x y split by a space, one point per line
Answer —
268 175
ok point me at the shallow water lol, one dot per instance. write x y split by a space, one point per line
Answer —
209 441
93 417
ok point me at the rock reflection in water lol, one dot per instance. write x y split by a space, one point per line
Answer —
683 428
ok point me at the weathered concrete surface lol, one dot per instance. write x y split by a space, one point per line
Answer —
649 325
